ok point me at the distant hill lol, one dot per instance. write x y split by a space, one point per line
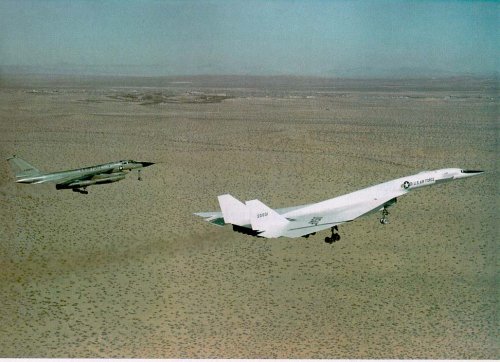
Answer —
404 72
163 70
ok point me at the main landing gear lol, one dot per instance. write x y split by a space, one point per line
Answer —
81 191
335 236
384 220
139 178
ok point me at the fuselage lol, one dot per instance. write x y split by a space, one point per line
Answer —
107 168
395 188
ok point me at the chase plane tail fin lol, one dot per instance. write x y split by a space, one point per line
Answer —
22 168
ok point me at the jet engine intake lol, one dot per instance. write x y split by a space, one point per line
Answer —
391 202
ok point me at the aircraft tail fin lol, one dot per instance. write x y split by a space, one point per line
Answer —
233 211
22 168
266 220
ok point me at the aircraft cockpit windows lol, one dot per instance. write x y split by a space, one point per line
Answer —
470 171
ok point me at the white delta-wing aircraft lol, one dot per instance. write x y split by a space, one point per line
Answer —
255 218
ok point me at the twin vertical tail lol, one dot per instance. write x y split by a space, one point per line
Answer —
266 220
233 210
252 214
22 168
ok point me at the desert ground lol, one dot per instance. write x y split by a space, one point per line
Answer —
129 271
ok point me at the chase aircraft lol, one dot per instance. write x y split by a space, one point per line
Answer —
255 218
76 180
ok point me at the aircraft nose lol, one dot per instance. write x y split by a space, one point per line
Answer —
146 164
469 173
472 171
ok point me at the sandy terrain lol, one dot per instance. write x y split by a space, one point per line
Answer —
128 271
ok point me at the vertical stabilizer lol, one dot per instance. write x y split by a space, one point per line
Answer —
264 219
233 211
22 168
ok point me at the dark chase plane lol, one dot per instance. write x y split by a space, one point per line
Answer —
76 180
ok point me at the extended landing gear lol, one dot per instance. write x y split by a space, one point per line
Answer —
384 220
81 191
139 178
335 236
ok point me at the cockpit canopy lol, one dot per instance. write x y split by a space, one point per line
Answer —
470 171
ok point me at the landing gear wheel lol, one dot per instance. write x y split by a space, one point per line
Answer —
335 237
383 220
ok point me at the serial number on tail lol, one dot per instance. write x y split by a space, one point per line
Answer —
264 214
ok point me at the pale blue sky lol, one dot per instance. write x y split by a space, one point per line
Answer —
325 38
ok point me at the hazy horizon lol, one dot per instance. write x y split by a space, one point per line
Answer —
297 38
144 71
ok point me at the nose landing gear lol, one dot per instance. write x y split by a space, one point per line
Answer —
335 236
384 220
